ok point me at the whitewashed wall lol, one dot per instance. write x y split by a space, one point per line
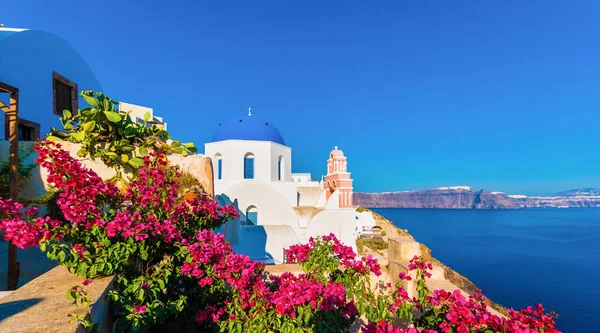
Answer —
232 152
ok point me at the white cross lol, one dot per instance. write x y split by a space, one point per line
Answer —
335 147
249 111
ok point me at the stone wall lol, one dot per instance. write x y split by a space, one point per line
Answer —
41 305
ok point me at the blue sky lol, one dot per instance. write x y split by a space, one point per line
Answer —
503 95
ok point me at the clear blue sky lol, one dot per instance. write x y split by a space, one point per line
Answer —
503 95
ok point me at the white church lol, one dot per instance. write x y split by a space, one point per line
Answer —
253 171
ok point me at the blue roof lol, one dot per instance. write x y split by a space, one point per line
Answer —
247 128
5 33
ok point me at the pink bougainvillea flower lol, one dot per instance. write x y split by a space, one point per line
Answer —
141 309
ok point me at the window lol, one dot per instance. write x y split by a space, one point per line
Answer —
249 166
219 165
26 130
252 216
220 169
279 166
64 93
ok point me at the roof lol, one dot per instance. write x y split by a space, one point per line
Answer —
7 32
337 153
248 128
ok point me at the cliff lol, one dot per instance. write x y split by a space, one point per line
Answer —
464 197
454 279
459 197
584 201
581 192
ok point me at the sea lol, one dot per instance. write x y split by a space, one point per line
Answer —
519 257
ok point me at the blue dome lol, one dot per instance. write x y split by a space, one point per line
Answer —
248 128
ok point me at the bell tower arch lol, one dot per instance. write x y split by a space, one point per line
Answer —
338 178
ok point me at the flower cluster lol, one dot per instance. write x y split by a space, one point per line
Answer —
444 311
81 189
384 327
18 227
344 254
419 264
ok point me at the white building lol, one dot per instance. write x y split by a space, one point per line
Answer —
253 170
138 112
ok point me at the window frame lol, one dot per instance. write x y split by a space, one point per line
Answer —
220 169
22 122
56 77
247 174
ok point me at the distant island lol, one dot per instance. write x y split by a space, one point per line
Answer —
465 197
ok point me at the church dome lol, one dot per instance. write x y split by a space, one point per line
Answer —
247 128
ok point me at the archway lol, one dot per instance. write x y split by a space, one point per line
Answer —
252 215
219 162
249 166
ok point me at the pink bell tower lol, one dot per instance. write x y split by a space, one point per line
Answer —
338 178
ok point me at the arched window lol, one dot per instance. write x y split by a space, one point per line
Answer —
249 166
280 168
219 160
252 215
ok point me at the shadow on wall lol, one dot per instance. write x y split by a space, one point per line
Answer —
250 240
33 188
9 309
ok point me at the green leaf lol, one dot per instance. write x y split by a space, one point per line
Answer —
61 256
89 126
78 136
147 116
67 114
143 151
161 284
112 116
43 246
81 269
137 161
175 144
91 101
53 138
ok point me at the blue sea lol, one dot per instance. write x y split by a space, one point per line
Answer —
519 257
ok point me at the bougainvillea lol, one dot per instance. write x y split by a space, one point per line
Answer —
174 272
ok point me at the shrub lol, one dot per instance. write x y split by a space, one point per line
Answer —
376 244
360 245
186 181
361 209
111 135
383 233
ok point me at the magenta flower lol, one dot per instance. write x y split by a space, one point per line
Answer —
141 309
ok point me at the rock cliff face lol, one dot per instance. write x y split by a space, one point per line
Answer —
560 201
581 192
464 197
460 197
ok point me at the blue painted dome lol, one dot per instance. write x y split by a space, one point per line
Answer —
248 128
